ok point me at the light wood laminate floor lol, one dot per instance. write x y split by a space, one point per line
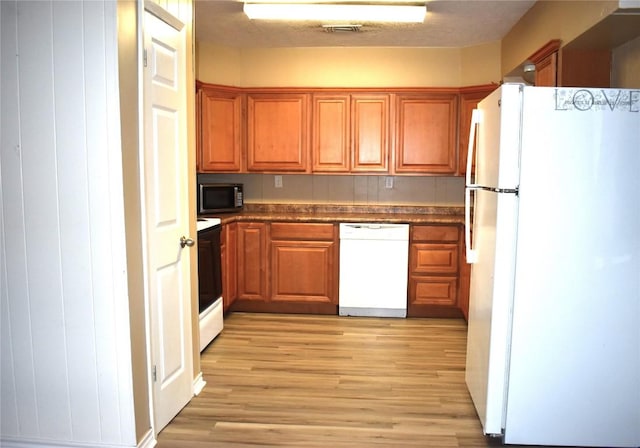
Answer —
327 381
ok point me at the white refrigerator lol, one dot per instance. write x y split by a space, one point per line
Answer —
553 348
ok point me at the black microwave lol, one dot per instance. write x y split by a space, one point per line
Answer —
216 198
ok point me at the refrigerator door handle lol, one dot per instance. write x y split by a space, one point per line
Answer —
471 254
475 121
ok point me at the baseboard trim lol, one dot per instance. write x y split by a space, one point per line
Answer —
148 441
198 384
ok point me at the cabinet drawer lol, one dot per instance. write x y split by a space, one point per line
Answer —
434 233
302 231
432 290
432 258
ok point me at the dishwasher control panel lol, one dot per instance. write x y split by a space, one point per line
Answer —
374 231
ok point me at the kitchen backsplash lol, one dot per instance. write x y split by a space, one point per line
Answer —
366 190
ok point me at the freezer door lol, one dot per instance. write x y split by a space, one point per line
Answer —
494 229
497 140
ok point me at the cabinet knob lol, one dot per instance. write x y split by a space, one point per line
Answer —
184 241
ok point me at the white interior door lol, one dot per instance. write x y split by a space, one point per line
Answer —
166 216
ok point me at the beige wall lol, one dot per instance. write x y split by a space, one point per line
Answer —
218 65
351 190
626 65
547 20
348 67
480 64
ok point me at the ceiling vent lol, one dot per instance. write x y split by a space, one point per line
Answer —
341 28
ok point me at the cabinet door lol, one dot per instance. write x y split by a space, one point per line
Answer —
252 261
198 130
370 133
469 100
546 63
465 280
220 131
304 263
585 68
229 268
277 132
302 271
232 262
547 71
330 147
426 134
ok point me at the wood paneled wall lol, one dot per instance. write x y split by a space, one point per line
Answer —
66 350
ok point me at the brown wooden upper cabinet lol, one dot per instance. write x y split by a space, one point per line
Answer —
350 133
220 130
585 68
571 67
403 132
277 132
370 133
331 146
469 99
425 138
546 61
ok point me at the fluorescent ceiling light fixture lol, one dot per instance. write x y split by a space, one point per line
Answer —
360 12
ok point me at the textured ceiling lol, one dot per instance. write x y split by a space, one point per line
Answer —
449 23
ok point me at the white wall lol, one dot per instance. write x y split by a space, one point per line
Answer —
625 71
65 354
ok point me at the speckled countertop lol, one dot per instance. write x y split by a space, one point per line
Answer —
346 213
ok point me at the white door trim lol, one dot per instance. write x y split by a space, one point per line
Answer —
163 14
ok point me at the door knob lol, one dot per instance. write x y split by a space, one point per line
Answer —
184 241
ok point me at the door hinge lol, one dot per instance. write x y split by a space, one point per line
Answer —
144 57
154 374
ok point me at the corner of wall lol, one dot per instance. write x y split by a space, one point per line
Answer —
218 65
128 30
480 64
547 20
626 65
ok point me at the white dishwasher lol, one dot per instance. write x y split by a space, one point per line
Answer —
374 260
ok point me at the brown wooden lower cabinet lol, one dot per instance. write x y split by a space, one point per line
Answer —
287 267
228 253
252 261
291 267
465 280
433 290
303 262
433 271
